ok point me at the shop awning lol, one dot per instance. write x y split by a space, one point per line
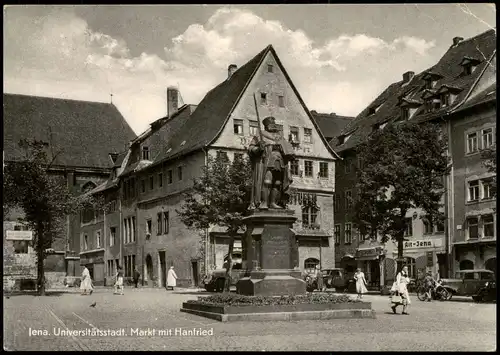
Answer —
348 256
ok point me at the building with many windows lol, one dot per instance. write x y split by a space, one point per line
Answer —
460 93
149 181
80 136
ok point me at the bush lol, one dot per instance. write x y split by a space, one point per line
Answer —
231 299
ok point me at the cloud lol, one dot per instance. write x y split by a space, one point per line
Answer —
60 55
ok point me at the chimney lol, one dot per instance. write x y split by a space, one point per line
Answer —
457 40
172 100
408 76
231 69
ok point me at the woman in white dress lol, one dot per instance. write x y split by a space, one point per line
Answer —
402 280
359 276
86 284
171 278
119 281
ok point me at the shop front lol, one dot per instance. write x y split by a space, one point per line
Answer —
370 261
423 255
94 261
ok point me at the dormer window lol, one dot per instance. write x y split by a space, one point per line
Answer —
373 110
432 104
469 65
145 153
408 108
344 138
447 95
431 80
380 125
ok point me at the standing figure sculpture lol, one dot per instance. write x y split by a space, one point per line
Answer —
269 156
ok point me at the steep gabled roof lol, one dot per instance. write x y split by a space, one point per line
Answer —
330 124
206 123
452 75
82 132
202 126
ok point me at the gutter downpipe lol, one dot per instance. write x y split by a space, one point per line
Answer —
207 236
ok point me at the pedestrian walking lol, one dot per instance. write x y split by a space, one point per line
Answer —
402 280
429 284
171 278
359 276
319 278
86 284
119 281
137 275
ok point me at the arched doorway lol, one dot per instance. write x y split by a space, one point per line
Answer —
148 273
491 264
466 265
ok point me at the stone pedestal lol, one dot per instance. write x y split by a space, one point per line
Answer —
270 255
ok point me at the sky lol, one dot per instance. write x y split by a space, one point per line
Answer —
340 57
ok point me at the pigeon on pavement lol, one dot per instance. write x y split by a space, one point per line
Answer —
93 304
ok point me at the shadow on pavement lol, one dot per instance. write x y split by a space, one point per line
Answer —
34 294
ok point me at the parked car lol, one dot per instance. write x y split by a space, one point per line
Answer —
336 278
468 282
216 279
488 293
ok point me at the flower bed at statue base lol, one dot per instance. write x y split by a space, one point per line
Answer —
233 307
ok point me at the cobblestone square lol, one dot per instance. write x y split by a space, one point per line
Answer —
152 321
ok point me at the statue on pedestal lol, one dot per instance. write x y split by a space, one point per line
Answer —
270 155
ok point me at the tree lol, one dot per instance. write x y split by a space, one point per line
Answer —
404 166
489 157
43 197
221 197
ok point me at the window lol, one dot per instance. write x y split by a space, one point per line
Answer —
98 239
405 113
20 246
440 226
270 68
159 224
348 233
166 223
337 233
348 200
473 190
311 263
132 231
428 227
132 187
294 134
169 177
281 101
488 226
309 216
179 173
487 189
307 135
294 167
148 226
238 127
409 227
263 98
472 142
112 236
238 156
472 228
160 179
412 267
85 242
445 99
151 183
145 153
222 156
469 69
254 128
143 186
308 168
323 170
112 206
347 166
487 137
337 202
